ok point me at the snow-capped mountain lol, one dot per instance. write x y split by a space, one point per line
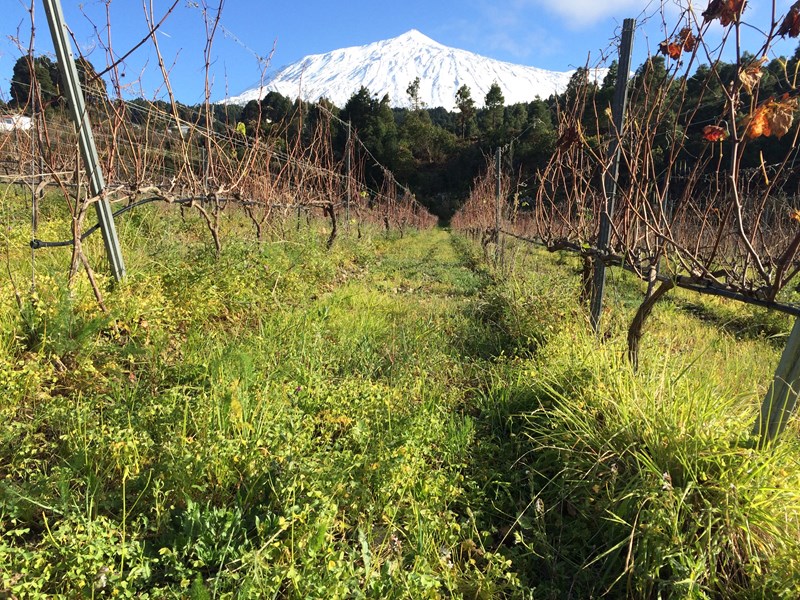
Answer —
388 67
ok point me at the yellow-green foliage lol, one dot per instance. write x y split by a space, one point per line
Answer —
388 419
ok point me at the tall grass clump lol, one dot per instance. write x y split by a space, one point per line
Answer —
649 486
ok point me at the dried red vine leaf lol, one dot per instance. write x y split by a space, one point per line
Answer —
715 133
685 41
727 11
791 23
670 49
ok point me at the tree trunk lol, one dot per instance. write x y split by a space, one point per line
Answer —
586 279
331 212
636 329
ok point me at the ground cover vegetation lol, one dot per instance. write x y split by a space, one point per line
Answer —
303 390
388 418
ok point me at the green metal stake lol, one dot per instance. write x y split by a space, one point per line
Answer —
77 107
781 398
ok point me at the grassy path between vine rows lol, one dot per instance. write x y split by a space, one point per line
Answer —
391 419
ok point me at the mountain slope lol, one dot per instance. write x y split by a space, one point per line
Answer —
389 66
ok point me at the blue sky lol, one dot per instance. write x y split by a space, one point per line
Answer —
551 34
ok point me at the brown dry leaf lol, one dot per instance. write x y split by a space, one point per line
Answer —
727 11
758 123
670 49
685 41
713 10
773 117
795 215
783 116
732 11
714 133
689 41
791 24
751 74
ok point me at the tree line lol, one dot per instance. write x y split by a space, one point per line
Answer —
437 152
433 151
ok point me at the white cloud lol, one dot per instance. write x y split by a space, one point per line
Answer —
501 37
523 45
582 13
512 30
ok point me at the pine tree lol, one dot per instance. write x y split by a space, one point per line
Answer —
21 81
494 110
94 87
466 107
413 93
358 109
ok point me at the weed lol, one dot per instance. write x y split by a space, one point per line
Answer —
390 419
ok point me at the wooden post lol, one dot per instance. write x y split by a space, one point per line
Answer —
610 183
349 167
781 398
77 107
498 217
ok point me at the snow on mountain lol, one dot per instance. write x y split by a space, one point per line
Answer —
389 66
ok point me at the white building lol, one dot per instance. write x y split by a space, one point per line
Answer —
15 123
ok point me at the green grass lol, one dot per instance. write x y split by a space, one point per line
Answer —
388 419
